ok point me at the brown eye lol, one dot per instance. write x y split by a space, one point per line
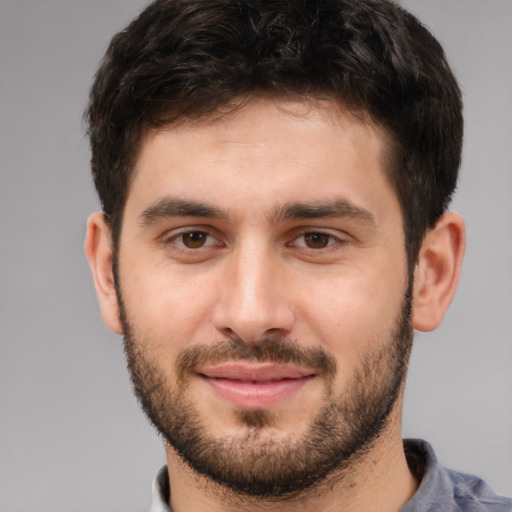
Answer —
317 240
194 239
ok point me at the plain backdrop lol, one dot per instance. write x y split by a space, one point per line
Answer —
71 435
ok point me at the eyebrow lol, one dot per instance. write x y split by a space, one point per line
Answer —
323 209
168 206
175 207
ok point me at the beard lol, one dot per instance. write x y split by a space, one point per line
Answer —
260 461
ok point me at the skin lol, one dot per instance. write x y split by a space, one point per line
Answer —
258 274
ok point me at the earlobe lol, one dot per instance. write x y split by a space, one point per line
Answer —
99 253
438 270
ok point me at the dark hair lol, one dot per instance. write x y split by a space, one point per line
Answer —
183 59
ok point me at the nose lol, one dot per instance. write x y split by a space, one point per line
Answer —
254 300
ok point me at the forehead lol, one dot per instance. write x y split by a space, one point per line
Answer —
262 117
263 153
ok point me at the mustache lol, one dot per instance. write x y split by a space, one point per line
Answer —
269 349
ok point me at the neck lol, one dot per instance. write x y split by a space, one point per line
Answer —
378 481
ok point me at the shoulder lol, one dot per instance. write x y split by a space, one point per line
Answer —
475 495
445 490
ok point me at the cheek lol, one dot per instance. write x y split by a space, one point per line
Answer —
350 315
168 310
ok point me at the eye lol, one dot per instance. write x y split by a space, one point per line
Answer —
318 240
193 239
315 240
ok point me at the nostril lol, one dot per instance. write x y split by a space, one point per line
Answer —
274 330
227 331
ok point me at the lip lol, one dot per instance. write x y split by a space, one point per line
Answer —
255 385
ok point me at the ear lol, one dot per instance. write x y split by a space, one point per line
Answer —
98 249
437 272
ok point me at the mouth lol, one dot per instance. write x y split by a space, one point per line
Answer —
249 385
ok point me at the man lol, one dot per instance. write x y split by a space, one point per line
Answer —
275 178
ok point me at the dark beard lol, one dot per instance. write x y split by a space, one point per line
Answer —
252 463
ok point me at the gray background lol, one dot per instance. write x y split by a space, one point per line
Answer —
71 435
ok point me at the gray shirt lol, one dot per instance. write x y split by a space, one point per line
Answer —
440 490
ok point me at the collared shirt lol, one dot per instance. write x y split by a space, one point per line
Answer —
440 489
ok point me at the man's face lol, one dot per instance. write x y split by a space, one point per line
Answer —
264 292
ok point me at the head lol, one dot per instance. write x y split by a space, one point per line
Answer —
274 178
182 60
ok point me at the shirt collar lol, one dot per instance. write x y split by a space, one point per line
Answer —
161 492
